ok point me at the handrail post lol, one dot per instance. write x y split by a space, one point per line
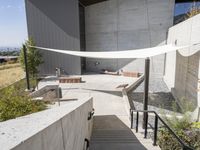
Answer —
131 112
137 120
146 124
155 130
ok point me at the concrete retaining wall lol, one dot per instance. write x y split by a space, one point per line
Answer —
182 73
127 24
60 128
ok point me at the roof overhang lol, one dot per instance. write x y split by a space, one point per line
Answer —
90 2
186 1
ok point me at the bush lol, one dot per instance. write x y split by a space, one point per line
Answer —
15 103
184 128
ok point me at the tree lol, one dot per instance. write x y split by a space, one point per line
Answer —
34 58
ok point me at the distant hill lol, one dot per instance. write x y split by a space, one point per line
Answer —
9 49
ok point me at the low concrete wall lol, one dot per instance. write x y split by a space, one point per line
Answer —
44 90
129 103
60 128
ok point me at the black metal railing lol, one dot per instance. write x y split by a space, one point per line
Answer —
157 117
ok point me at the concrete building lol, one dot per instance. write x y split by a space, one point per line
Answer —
99 25
113 25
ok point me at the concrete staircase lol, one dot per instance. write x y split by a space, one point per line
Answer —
113 133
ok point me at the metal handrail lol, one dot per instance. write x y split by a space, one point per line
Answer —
157 117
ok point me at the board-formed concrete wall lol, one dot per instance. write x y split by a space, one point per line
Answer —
55 24
182 73
61 128
127 24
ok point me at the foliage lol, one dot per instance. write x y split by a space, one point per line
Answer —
177 123
34 58
185 130
190 137
196 125
15 103
9 53
184 127
186 105
193 11
20 86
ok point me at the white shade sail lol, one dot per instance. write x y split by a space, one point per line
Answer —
137 53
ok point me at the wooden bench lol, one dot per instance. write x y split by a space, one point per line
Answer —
70 80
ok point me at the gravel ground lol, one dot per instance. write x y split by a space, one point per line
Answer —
160 100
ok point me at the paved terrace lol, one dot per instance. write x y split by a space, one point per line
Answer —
111 129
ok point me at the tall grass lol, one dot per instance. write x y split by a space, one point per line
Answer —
10 74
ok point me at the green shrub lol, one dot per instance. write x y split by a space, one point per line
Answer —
15 103
196 125
190 137
184 128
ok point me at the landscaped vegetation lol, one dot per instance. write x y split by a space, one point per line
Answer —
14 100
185 128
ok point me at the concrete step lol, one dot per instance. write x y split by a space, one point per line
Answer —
114 133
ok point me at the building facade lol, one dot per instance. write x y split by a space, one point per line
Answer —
115 25
99 25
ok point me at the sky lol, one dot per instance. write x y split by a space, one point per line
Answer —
13 28
181 8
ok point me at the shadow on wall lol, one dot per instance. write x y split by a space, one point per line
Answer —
109 132
186 77
49 27
157 64
63 5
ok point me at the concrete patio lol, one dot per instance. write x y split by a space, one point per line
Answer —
111 128
103 88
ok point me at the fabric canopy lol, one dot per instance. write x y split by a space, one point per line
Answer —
138 53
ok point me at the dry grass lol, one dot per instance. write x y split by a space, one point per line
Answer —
10 75
8 66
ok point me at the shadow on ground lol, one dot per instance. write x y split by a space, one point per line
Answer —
110 133
116 93
162 100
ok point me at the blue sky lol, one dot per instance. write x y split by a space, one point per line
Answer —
183 7
13 28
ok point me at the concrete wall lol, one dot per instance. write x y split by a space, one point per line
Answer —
182 67
127 24
61 128
55 24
